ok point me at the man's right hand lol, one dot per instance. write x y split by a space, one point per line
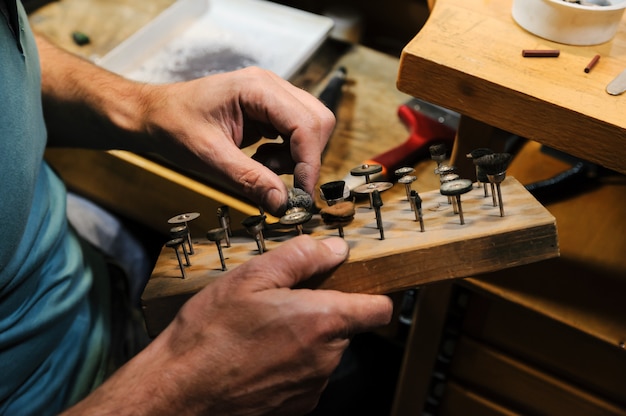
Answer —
248 344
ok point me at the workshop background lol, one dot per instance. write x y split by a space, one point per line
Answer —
535 339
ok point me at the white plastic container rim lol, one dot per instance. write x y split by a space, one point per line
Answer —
569 23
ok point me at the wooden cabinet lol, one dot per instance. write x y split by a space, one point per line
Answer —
546 338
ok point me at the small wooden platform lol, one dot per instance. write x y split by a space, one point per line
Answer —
406 258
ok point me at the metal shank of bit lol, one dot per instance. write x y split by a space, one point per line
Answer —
338 214
174 244
223 216
497 180
254 224
184 219
495 166
456 188
448 177
407 180
181 231
416 203
217 235
377 202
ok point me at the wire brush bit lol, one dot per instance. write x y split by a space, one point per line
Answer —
495 165
438 152
481 176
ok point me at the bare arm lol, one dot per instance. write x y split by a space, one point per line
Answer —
201 124
85 106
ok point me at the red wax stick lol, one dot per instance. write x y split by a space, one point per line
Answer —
592 63
540 53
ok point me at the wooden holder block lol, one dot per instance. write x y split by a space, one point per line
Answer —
406 258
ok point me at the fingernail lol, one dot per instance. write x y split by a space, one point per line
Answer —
337 245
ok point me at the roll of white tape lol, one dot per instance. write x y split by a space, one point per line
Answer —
568 22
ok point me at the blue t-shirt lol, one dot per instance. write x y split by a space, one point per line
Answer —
53 342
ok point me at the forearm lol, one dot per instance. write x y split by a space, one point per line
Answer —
87 106
152 383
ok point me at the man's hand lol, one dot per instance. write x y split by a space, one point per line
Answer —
213 117
248 344
200 124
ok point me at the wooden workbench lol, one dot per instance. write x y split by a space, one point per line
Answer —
554 103
468 57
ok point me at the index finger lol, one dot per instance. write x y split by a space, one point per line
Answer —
306 151
357 312
299 117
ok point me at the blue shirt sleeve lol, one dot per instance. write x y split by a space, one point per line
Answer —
53 322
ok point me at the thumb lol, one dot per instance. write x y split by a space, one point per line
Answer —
289 264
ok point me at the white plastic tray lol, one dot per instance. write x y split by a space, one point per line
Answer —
193 38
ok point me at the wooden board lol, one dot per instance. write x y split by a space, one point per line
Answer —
406 257
468 58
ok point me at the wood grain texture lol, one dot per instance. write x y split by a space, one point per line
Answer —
468 58
524 389
462 401
106 22
406 258
546 344
421 349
